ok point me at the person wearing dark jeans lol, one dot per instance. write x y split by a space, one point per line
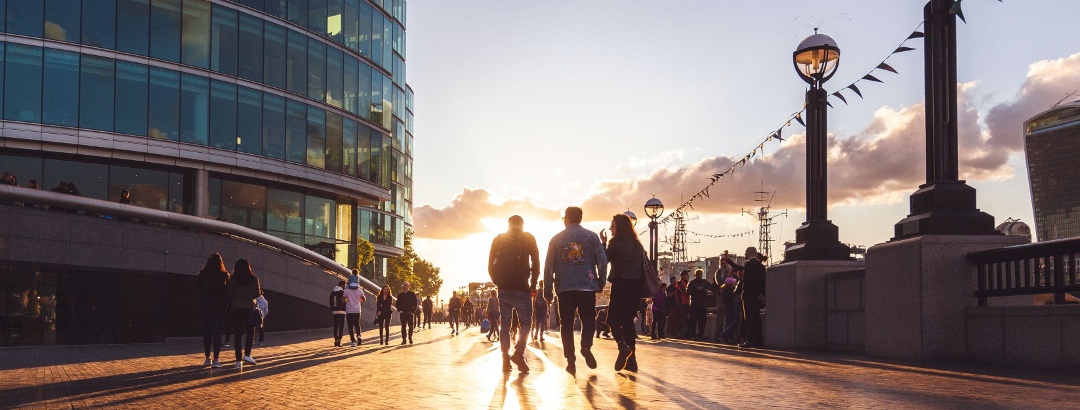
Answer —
406 305
384 309
337 308
241 292
428 308
576 270
212 282
571 305
753 294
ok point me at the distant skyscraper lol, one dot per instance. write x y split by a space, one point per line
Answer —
1052 145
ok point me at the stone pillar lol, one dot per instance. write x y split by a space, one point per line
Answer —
797 305
201 193
917 291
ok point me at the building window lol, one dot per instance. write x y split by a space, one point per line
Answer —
96 99
133 26
62 20
132 91
164 106
60 97
165 29
22 82
225 37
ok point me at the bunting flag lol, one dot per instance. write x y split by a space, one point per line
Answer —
797 116
732 235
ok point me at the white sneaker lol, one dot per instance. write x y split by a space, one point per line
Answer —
353 344
238 365
206 362
249 360
215 364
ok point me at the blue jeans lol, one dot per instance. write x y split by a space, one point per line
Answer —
731 322
508 302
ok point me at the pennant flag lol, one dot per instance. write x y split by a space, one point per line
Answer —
829 104
778 134
856 90
869 77
958 11
902 49
915 34
887 67
799 119
840 96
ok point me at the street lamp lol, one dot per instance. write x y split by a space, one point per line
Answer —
816 60
633 217
653 209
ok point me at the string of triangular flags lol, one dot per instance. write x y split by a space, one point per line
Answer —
759 149
733 235
797 116
883 66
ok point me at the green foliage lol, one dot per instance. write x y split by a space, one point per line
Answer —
427 275
422 275
365 253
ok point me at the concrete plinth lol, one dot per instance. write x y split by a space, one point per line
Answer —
797 305
916 293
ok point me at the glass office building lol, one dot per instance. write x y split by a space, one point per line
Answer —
1052 145
291 117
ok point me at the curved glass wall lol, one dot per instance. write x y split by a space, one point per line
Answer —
315 82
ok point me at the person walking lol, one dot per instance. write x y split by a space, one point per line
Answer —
453 311
753 296
682 300
627 258
212 282
575 269
406 305
354 296
540 316
659 313
429 309
241 292
384 310
514 267
493 315
467 311
337 309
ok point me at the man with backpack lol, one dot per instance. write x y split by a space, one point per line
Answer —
514 267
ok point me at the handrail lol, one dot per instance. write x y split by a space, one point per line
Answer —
67 201
1028 269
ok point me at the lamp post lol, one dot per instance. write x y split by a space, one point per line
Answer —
816 60
633 217
653 209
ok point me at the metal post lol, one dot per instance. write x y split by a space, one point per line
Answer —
653 244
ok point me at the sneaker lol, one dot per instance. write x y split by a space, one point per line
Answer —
215 364
590 360
353 344
506 364
249 360
624 354
410 340
571 368
402 342
207 361
238 365
519 360
631 364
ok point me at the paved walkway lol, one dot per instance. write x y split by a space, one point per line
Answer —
444 372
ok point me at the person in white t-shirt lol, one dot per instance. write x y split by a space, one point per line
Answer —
354 296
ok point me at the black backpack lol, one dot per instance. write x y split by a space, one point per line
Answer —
510 258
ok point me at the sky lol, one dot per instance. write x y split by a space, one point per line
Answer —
529 107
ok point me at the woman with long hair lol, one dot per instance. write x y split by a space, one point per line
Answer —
384 307
212 281
242 290
627 256
540 315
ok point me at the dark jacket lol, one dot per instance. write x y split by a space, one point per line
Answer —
753 280
407 302
337 300
428 306
454 307
384 306
514 261
243 296
698 290
212 285
626 258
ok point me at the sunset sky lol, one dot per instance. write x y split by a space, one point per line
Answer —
529 107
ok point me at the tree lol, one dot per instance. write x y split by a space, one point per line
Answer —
365 253
428 276
400 269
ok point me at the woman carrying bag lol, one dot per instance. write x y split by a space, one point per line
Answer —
244 315
384 307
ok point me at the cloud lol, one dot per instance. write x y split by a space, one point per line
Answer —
464 214
882 163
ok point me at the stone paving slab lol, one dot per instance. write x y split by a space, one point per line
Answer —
304 370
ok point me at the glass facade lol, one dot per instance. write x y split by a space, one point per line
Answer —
1052 145
314 82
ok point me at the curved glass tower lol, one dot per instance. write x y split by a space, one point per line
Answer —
290 117
1052 147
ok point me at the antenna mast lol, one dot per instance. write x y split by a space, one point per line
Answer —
765 221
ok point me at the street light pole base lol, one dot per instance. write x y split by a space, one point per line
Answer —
944 208
818 241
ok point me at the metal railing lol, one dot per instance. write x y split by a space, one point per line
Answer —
1030 269
91 205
